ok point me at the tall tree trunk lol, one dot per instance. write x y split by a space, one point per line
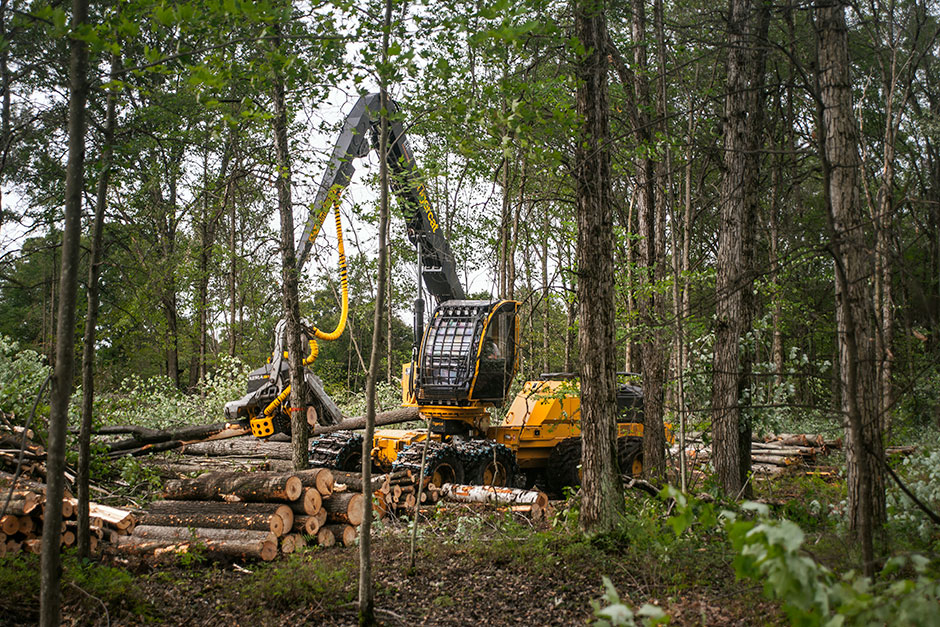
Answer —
392 370
647 254
50 565
602 502
5 84
91 321
855 313
167 226
734 283
546 303
290 300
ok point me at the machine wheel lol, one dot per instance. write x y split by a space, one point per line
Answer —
488 463
630 456
564 465
341 450
443 464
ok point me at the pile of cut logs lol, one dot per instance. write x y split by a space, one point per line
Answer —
249 515
22 518
23 499
772 455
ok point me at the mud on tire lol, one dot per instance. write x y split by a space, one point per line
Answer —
630 456
564 465
443 464
341 450
488 463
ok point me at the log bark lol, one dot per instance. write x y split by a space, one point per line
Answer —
492 494
273 517
22 506
395 416
240 549
163 441
353 480
344 534
346 507
241 447
251 487
251 522
154 532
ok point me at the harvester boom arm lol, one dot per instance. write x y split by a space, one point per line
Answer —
361 127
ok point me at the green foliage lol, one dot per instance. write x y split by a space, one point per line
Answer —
920 471
387 396
611 611
158 404
303 578
88 582
22 372
770 551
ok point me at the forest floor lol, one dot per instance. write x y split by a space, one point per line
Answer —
472 567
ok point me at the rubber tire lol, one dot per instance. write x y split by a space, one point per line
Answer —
350 456
444 466
630 456
507 468
564 463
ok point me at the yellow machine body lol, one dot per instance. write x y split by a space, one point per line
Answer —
387 443
542 415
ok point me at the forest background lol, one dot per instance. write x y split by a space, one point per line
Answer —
188 289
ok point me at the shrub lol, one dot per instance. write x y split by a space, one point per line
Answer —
22 372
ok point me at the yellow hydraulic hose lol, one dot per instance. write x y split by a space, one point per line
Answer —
340 326
344 283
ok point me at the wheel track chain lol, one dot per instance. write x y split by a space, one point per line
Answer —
328 450
410 457
476 453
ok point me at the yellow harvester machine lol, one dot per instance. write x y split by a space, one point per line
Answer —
464 359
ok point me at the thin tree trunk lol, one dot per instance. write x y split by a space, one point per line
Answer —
91 322
289 275
546 302
366 593
50 565
651 358
602 501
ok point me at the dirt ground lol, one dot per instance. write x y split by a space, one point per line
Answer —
467 573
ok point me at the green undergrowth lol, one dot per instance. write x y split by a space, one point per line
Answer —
89 586
307 578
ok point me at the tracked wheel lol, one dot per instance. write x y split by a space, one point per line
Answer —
564 465
443 464
630 456
341 450
488 463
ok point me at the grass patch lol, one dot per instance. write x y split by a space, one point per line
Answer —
305 578
88 585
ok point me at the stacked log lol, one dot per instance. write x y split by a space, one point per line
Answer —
250 515
772 455
532 503
398 493
23 516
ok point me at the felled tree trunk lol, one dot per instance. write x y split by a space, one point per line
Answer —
253 487
271 517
